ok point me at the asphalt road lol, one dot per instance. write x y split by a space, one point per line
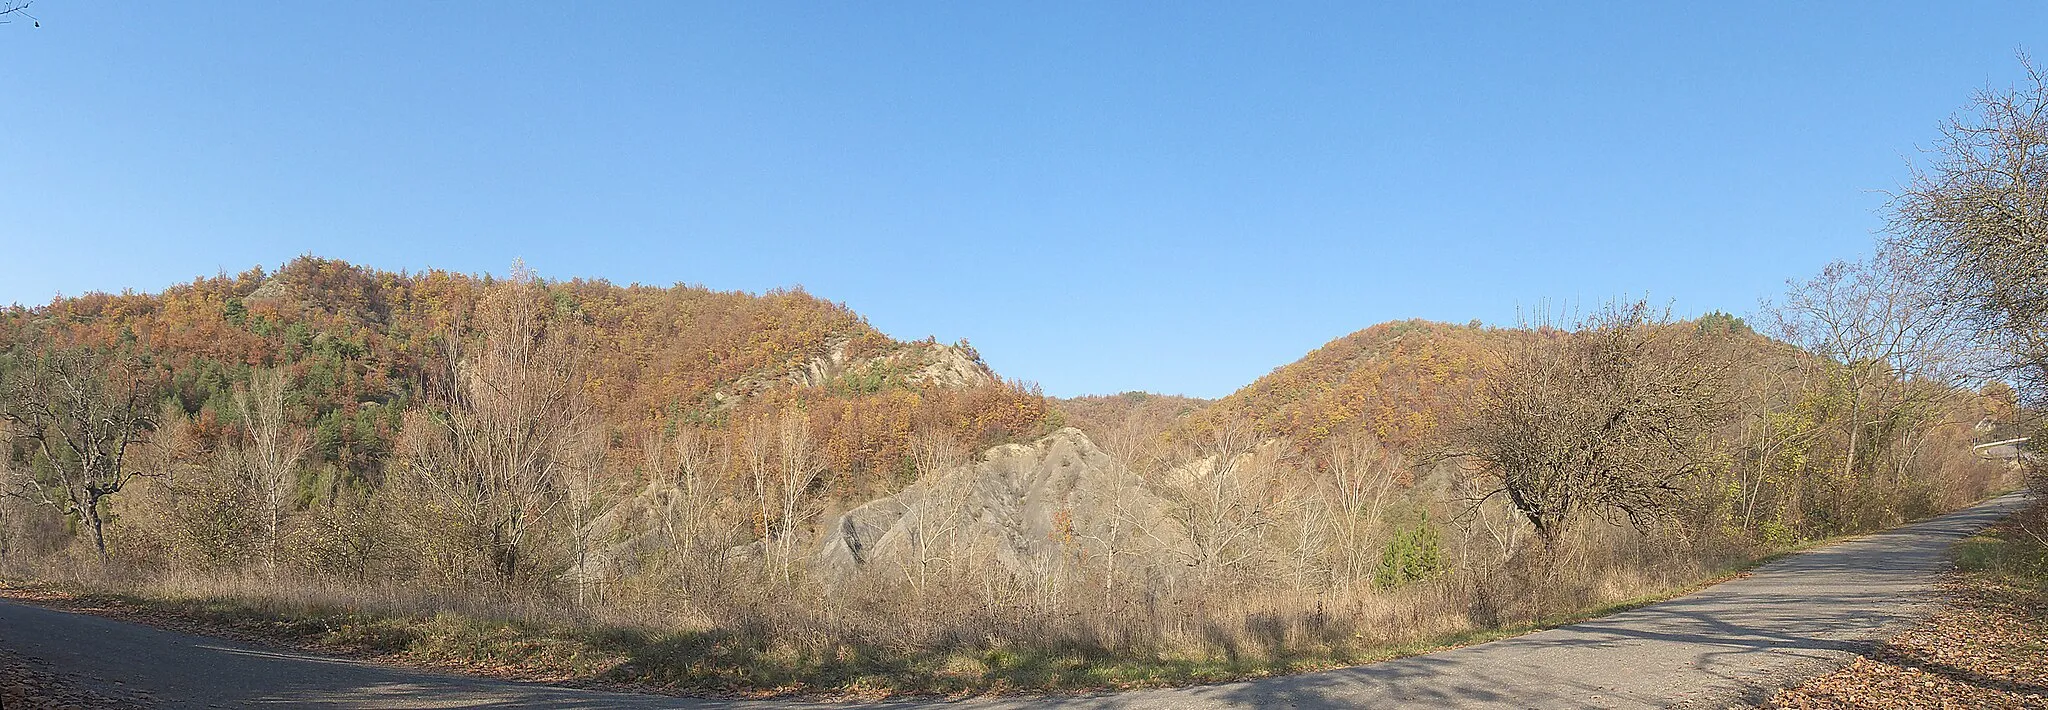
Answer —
1793 618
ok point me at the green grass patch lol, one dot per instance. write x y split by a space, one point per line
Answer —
2012 552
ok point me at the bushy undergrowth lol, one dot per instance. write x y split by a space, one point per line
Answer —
969 636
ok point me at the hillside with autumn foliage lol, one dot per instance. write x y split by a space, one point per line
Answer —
361 346
445 452
1399 382
1394 381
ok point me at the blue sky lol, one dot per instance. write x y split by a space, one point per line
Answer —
1174 197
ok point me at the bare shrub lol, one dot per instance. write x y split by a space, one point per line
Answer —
482 473
1608 420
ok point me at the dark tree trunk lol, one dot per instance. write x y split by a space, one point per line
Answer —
95 528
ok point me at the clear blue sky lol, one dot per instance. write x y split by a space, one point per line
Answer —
1168 196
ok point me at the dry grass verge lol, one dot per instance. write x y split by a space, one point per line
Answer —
732 662
757 640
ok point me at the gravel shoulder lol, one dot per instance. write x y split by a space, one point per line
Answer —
1739 641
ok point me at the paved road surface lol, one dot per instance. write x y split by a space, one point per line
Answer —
1793 618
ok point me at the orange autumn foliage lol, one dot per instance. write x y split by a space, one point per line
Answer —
360 343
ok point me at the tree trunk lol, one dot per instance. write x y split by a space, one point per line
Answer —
271 532
95 528
505 555
1849 464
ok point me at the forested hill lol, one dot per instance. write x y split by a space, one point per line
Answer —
1400 381
772 470
359 346
1394 381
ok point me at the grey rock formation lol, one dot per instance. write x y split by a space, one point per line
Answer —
1022 508
627 533
1019 506
920 364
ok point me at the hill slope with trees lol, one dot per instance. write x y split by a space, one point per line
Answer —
844 508
444 453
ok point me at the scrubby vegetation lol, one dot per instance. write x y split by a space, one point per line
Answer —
573 479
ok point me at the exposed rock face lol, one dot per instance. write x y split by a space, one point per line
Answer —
1018 506
919 364
272 289
943 365
627 533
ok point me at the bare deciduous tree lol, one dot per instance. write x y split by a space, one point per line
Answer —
933 450
1132 446
698 457
798 464
1606 420
10 9
1979 214
1877 324
757 450
274 449
503 437
1362 477
1214 499
77 411
934 531
583 484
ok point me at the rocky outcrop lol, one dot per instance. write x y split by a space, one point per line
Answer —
626 534
1017 506
918 364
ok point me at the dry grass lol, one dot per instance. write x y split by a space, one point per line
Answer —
733 625
872 641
